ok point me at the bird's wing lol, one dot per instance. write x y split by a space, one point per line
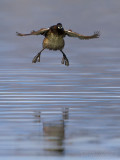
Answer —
42 31
74 34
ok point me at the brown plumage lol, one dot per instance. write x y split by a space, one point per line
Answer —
54 39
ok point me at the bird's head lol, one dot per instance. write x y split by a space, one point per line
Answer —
59 26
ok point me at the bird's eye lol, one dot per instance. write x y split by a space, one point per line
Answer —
59 27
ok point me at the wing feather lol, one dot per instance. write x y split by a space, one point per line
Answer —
74 34
42 31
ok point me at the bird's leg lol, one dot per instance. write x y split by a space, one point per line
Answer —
37 57
64 59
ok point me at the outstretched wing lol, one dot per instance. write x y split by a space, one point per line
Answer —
74 34
42 31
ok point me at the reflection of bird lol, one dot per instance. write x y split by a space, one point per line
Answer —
54 39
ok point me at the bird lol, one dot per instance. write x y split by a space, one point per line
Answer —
54 39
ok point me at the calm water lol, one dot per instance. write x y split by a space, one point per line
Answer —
51 111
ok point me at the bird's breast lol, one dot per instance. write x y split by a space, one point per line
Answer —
54 42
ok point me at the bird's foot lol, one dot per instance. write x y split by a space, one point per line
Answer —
36 58
65 61
62 62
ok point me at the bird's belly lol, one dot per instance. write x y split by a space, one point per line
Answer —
55 43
